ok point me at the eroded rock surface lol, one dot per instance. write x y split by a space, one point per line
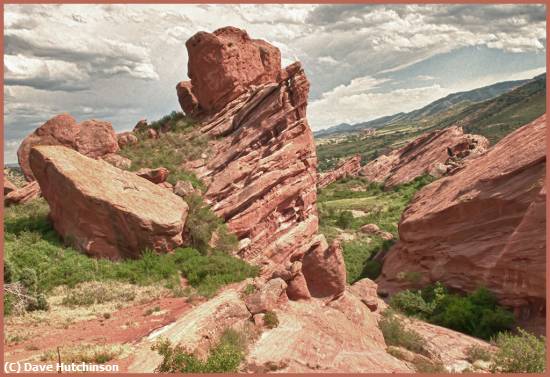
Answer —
92 138
105 211
261 171
437 153
22 195
483 226
347 168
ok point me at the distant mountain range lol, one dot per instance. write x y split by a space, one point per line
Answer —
444 107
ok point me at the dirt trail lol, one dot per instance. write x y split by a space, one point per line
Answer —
123 327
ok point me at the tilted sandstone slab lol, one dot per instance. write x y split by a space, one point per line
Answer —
483 226
105 211
347 168
22 195
427 154
92 138
261 169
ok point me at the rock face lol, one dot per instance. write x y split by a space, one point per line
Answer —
428 154
126 138
105 211
483 226
261 169
223 65
92 138
157 175
22 195
348 168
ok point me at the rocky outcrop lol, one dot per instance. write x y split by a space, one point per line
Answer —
223 65
268 297
92 138
348 168
117 161
126 139
260 173
483 226
22 195
324 270
105 211
157 175
437 153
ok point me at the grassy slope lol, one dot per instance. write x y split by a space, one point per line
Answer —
383 207
494 119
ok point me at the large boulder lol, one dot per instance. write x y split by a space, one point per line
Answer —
223 65
483 226
92 138
348 168
105 211
324 270
437 153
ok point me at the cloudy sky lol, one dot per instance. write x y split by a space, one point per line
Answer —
122 62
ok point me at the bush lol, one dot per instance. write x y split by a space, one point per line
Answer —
521 353
271 320
345 219
476 314
410 303
476 352
395 334
225 357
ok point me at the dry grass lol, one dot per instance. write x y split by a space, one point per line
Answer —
86 353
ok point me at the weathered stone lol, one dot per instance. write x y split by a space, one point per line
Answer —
22 195
157 175
92 138
483 226
118 161
184 188
105 211
126 138
425 155
268 297
348 168
325 270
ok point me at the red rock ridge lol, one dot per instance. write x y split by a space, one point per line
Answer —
427 154
483 226
347 168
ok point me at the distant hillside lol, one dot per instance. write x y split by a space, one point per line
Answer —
493 118
442 107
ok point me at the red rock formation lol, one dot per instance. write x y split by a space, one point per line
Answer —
126 138
483 226
22 195
105 211
157 175
428 154
117 161
91 138
325 270
347 168
223 65
260 171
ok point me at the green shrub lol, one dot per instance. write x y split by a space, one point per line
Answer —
521 353
410 303
476 352
225 357
395 334
345 219
476 314
271 320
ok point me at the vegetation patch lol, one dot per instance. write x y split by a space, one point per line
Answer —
271 320
395 334
178 142
87 353
36 259
520 353
476 314
225 357
382 206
